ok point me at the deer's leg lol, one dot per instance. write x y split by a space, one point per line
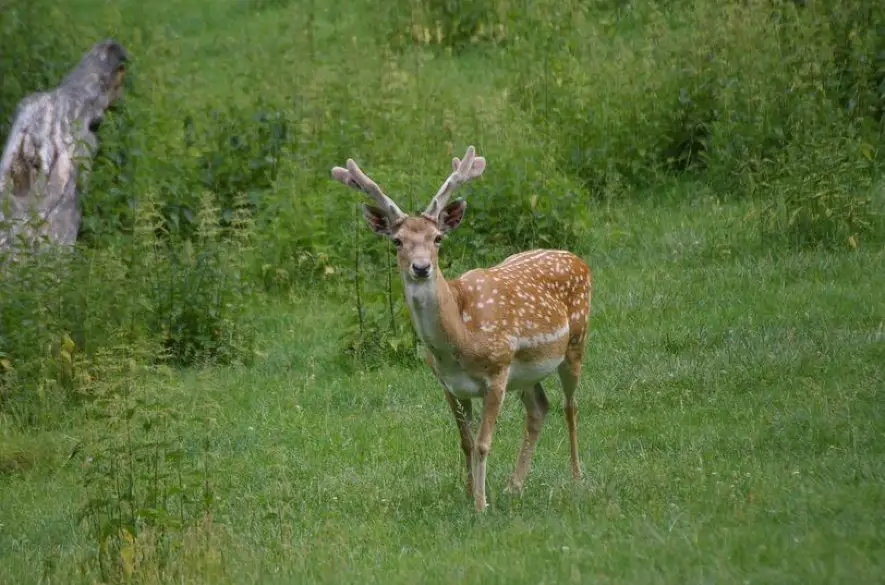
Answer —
463 411
536 406
490 408
570 374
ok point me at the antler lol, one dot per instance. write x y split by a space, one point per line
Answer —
352 176
471 167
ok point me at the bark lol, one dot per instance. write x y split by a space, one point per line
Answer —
50 146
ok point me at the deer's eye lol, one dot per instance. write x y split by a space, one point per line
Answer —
438 239
397 242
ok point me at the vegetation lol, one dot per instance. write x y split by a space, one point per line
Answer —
221 383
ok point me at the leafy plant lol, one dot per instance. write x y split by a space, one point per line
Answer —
185 302
31 63
200 293
820 195
145 488
379 329
453 24
710 91
240 154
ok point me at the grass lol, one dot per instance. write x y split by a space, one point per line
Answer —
731 430
732 415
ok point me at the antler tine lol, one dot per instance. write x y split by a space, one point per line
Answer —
354 177
463 170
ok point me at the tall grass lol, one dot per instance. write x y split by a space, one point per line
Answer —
195 200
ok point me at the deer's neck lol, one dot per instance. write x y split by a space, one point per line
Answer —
434 310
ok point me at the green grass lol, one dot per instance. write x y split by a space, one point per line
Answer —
731 430
732 406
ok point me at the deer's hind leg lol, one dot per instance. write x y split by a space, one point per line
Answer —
536 406
570 375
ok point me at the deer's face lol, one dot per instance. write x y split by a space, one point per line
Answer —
417 238
417 241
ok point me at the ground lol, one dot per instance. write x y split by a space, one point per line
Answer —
731 419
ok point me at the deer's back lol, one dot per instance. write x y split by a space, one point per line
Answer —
539 300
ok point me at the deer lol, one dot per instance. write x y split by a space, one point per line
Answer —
492 330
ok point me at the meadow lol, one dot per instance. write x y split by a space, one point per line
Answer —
222 386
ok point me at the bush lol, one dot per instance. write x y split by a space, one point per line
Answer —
33 62
518 210
184 302
240 154
55 312
146 489
728 93
698 87
451 24
820 194
199 293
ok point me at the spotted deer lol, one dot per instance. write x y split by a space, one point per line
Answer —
503 328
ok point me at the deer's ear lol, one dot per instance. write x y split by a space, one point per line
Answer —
451 215
377 219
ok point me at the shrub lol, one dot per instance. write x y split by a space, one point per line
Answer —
520 209
184 302
240 154
698 87
451 24
820 194
56 310
33 62
198 291
146 489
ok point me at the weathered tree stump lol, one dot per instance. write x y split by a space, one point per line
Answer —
51 143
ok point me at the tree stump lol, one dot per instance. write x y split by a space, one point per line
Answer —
51 143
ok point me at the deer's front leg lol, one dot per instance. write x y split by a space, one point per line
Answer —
463 411
490 408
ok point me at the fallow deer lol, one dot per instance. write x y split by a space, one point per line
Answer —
503 328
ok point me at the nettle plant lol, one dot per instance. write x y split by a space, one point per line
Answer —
492 330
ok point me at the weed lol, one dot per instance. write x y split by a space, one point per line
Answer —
142 497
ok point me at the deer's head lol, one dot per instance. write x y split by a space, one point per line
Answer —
417 237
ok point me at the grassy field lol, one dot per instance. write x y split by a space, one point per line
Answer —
732 407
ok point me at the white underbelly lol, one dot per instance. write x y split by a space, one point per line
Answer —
522 375
527 374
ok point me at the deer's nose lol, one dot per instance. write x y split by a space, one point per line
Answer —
421 269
